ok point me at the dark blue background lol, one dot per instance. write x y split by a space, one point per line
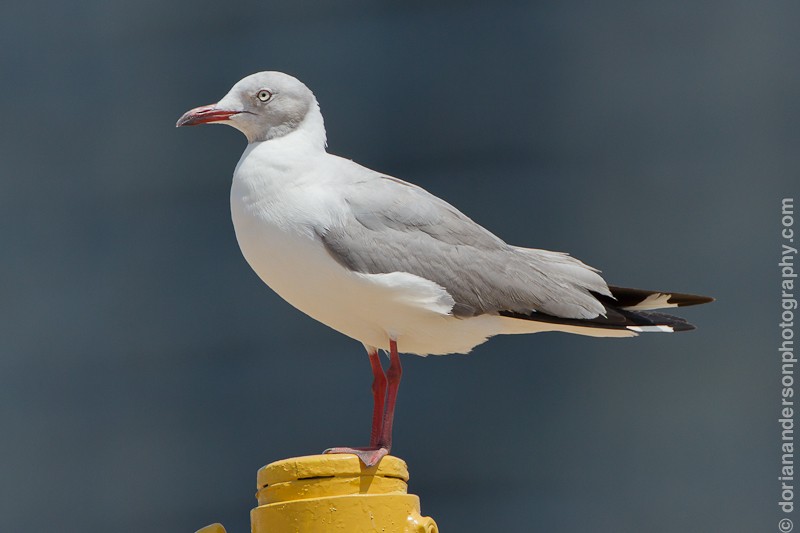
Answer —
146 372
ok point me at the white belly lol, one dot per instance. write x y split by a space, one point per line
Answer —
370 308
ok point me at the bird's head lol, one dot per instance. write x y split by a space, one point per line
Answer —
263 106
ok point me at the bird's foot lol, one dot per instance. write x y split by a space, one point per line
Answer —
368 456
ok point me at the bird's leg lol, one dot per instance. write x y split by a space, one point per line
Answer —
378 397
393 374
371 455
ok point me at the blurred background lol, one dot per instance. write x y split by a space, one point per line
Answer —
146 373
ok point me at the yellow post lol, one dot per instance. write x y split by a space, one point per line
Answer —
324 493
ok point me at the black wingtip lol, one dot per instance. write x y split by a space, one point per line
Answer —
662 319
627 297
691 299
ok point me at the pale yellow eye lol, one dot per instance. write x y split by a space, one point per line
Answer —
263 95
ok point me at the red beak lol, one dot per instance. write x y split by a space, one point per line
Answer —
204 115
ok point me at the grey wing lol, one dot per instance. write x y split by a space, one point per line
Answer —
394 226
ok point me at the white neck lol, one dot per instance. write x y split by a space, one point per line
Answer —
313 127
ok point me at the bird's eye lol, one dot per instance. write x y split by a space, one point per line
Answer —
263 95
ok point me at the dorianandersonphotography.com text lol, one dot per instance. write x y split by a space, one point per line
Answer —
788 302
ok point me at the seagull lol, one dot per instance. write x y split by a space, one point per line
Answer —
389 264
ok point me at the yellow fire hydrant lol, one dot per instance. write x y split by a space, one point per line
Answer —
335 493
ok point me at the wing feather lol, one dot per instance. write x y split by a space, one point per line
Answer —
394 226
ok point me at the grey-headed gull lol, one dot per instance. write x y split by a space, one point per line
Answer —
389 264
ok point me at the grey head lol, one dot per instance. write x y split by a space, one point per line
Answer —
263 106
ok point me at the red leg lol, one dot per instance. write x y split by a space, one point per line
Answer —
378 397
372 455
393 374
